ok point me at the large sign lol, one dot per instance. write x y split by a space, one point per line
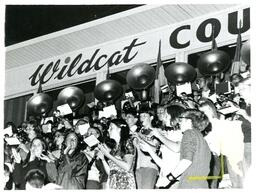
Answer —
124 53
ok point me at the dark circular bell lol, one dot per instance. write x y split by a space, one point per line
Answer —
179 73
71 95
39 104
245 52
213 62
140 76
108 90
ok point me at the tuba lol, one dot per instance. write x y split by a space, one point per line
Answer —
139 77
108 90
179 73
39 104
71 95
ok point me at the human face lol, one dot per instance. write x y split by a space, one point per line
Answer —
185 123
30 132
161 113
58 138
130 119
37 147
92 131
72 141
114 131
201 82
145 119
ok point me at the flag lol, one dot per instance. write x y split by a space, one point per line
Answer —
160 78
237 62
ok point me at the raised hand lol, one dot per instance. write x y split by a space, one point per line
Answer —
103 149
67 149
156 132
16 155
44 157
144 146
23 147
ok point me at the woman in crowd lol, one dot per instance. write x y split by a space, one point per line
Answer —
72 167
58 143
36 159
195 154
120 157
32 130
97 175
213 138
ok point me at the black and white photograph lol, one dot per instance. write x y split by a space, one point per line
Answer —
126 95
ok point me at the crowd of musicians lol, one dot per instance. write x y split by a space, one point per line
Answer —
182 142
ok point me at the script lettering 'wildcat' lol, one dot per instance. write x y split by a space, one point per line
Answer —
78 66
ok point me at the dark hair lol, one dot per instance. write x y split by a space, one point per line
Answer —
131 111
26 161
235 75
14 128
147 110
124 133
199 120
36 178
7 169
100 138
175 111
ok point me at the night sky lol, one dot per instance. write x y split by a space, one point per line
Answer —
24 22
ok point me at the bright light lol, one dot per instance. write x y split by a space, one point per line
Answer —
212 58
37 100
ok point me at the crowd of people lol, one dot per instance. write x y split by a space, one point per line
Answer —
183 142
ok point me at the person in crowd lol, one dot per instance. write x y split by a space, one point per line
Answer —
206 88
170 138
195 154
146 169
8 183
132 120
235 79
97 175
213 138
120 157
59 137
244 89
72 165
220 143
36 159
35 179
32 130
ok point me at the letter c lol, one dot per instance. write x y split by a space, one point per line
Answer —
174 38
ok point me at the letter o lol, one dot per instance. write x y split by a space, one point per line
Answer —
200 33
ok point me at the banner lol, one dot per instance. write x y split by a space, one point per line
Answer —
124 53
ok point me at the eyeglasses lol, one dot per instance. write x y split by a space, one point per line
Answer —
184 118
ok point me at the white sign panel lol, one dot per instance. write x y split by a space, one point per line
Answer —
124 53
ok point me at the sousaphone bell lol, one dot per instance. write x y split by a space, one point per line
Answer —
71 95
213 62
108 90
179 73
39 104
139 77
